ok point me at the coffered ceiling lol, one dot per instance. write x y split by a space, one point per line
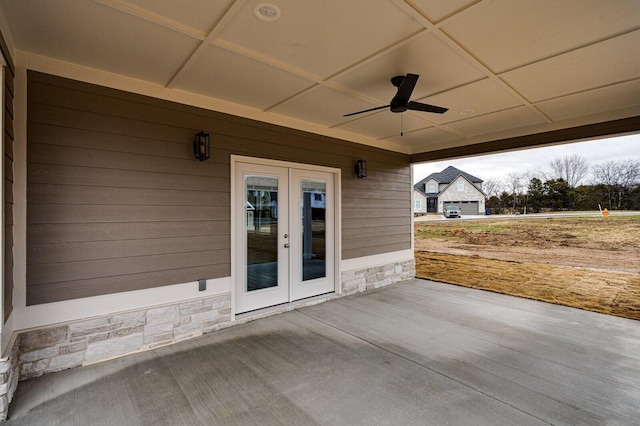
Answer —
504 68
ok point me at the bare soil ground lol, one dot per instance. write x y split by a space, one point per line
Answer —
587 263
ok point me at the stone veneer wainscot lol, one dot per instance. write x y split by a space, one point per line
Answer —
359 280
60 347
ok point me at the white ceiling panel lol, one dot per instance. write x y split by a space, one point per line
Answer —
496 122
200 15
322 105
99 37
235 78
502 67
505 34
619 96
436 10
321 37
424 139
382 124
471 100
439 68
606 63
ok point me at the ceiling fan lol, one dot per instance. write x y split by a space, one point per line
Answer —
401 102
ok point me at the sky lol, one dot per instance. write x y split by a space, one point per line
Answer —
499 166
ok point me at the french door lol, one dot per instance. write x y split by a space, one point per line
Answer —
285 234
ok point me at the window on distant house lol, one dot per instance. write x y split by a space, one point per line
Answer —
432 188
460 185
417 205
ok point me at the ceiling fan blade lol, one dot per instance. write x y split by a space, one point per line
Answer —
406 88
418 106
366 110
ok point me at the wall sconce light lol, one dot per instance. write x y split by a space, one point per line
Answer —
202 146
360 169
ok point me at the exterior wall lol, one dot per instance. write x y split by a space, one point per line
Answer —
470 193
116 202
423 203
8 358
7 192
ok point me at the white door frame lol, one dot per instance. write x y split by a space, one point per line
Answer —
237 255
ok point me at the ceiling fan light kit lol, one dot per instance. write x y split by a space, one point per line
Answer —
401 101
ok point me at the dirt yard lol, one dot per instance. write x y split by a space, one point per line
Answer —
588 263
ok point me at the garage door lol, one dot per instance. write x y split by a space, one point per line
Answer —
466 207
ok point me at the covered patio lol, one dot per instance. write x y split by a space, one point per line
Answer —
154 149
416 352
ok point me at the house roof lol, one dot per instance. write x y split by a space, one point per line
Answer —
448 175
512 73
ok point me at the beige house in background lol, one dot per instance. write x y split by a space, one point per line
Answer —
449 187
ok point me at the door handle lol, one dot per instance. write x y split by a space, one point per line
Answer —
286 245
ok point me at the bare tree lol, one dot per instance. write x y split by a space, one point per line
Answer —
617 177
571 168
492 187
514 184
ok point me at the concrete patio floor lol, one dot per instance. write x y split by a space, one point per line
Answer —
414 353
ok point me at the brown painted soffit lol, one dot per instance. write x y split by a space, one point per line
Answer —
589 131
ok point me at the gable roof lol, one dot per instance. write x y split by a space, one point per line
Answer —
448 175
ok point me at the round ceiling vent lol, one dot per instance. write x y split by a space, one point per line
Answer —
267 12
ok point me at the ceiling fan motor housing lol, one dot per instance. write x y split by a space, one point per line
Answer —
399 106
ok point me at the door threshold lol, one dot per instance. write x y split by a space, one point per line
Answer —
284 307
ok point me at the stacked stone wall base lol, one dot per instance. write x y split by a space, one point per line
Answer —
365 279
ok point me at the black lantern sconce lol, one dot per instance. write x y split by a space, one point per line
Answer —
360 169
202 146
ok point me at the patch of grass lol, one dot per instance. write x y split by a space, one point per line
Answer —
593 238
599 291
595 233
455 230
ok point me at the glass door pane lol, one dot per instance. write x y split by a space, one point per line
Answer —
313 229
312 233
261 202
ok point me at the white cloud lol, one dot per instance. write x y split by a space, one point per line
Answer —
531 160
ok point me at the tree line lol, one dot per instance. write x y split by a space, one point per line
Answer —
614 185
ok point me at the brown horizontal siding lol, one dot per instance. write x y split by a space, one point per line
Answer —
51 233
7 158
86 194
380 247
83 270
118 283
360 242
77 213
119 249
373 231
71 175
117 202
